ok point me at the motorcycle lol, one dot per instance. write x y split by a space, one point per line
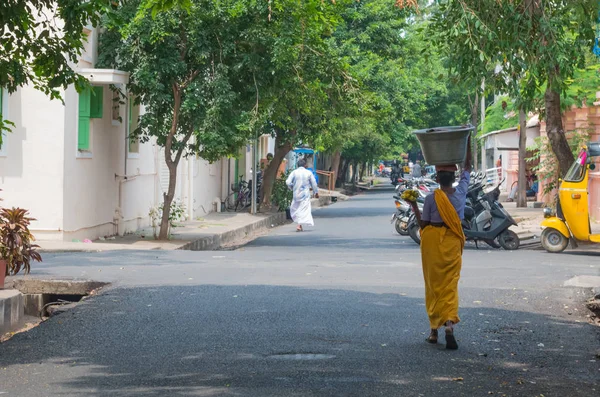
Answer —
485 220
401 216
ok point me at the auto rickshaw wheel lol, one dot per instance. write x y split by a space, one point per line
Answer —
554 241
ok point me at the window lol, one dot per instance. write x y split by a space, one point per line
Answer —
90 107
577 170
3 114
134 118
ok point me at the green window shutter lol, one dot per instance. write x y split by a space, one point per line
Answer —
96 102
83 126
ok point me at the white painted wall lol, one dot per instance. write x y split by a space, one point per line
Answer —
73 197
207 179
139 190
31 173
94 205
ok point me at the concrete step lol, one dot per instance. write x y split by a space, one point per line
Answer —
12 310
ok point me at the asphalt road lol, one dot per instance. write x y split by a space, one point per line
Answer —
335 311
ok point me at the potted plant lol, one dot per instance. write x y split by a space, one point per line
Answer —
17 248
2 269
282 195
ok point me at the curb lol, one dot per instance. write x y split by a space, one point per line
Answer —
12 310
322 201
216 241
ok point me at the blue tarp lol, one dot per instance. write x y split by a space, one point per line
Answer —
302 150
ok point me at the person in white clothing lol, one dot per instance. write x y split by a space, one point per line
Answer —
300 181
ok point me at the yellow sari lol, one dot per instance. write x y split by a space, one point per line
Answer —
441 253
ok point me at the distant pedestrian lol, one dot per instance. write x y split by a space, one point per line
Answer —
416 171
499 167
300 181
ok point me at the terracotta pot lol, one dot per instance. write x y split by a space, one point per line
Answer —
2 272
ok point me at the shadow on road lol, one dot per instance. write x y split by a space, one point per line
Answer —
276 341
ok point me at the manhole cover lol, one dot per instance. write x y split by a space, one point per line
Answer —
301 356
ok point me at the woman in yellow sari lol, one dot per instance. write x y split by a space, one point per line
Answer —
442 244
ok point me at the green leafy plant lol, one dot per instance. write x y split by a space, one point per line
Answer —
17 246
281 194
501 115
547 169
176 214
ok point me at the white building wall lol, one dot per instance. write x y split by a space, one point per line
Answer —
140 189
31 170
91 188
207 179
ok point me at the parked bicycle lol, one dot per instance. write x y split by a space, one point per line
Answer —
240 196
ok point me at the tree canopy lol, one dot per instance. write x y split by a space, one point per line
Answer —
40 41
520 47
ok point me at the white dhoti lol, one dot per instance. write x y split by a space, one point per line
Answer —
301 212
301 181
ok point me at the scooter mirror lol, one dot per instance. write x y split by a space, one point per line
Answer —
592 167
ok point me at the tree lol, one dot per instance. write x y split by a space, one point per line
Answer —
398 86
527 45
39 42
179 64
288 63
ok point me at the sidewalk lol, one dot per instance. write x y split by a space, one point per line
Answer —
213 231
529 220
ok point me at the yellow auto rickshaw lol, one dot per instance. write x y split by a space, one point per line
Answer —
571 223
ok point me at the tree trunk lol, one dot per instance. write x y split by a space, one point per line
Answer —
363 168
354 172
555 131
167 200
522 185
344 173
270 173
474 119
335 165
171 165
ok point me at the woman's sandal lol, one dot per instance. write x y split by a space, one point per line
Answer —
450 339
299 228
433 337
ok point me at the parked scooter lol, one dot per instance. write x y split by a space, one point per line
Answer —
401 216
485 220
572 220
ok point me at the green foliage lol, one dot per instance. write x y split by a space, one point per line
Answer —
582 88
516 47
17 245
176 214
501 115
180 64
36 50
400 88
547 169
282 195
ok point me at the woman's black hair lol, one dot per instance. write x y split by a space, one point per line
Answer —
446 178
